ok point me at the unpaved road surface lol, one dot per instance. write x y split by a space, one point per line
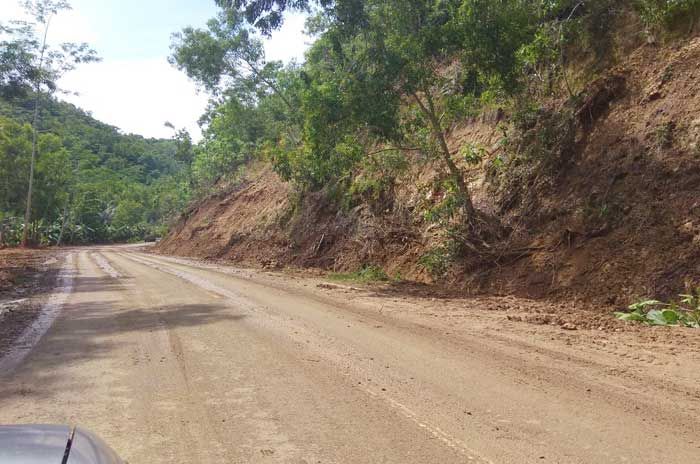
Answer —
173 361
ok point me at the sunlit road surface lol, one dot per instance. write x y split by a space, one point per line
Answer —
174 362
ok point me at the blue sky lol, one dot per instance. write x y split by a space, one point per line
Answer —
134 87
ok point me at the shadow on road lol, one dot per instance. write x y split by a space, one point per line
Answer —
94 330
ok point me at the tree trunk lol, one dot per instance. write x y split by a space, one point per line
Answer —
63 226
35 135
28 210
455 172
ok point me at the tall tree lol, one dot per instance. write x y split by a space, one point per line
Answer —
17 70
390 61
49 64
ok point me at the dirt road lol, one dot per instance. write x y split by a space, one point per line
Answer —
173 361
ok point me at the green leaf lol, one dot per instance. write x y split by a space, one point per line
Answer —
642 305
634 317
656 317
672 317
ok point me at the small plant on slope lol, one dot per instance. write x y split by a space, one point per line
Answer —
367 273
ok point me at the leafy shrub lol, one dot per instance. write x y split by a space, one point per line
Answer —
376 178
473 154
436 261
685 313
448 205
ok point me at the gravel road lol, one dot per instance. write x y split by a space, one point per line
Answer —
175 361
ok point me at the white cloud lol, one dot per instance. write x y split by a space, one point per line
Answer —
137 96
67 26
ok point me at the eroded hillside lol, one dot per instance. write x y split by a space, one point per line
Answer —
617 217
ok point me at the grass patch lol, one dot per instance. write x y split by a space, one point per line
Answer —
369 273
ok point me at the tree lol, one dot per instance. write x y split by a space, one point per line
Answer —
266 15
392 59
255 103
402 72
48 65
17 69
15 151
226 56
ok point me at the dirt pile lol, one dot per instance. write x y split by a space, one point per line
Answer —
616 218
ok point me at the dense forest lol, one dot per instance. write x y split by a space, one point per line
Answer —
93 183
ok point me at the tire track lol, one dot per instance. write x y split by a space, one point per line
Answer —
433 430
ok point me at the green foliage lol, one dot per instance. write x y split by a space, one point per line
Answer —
255 109
490 36
376 180
367 273
443 208
685 312
398 76
26 62
669 14
92 183
437 261
444 203
472 154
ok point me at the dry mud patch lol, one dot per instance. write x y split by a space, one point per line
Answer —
27 277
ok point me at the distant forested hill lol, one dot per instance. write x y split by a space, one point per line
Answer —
94 183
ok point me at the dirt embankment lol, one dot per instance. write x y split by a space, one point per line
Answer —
618 219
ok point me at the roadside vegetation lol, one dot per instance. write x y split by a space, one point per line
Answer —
92 183
366 274
385 86
385 83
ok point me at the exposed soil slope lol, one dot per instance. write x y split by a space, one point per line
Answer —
619 218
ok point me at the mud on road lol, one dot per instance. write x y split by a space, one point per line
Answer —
174 360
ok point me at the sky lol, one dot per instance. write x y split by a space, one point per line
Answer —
134 87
